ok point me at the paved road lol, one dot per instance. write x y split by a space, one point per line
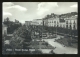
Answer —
60 49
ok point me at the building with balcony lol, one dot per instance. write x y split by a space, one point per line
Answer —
52 21
64 22
71 22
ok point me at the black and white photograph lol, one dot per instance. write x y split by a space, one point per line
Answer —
39 28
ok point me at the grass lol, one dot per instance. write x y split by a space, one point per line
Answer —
40 44
67 42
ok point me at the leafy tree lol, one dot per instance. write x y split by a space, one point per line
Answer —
23 32
12 26
46 44
7 21
16 42
21 38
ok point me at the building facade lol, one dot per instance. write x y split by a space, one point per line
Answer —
37 22
67 22
51 22
71 22
27 23
62 24
4 29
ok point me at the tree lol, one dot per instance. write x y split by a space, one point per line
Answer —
7 22
20 37
24 33
46 44
52 52
12 26
16 42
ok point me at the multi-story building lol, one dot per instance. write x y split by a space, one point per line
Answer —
71 22
45 22
27 23
64 22
37 22
51 22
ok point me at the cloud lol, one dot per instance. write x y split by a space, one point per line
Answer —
7 13
74 6
11 6
38 11
45 7
18 8
7 4
13 11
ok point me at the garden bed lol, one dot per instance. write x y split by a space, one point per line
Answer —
67 42
40 45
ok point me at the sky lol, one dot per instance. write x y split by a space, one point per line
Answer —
28 11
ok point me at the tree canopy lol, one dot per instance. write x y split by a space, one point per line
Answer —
20 36
12 26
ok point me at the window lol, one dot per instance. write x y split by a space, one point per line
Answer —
54 21
57 25
70 23
74 27
66 26
5 32
70 27
74 22
66 22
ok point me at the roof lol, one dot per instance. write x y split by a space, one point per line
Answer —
38 19
28 21
72 18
